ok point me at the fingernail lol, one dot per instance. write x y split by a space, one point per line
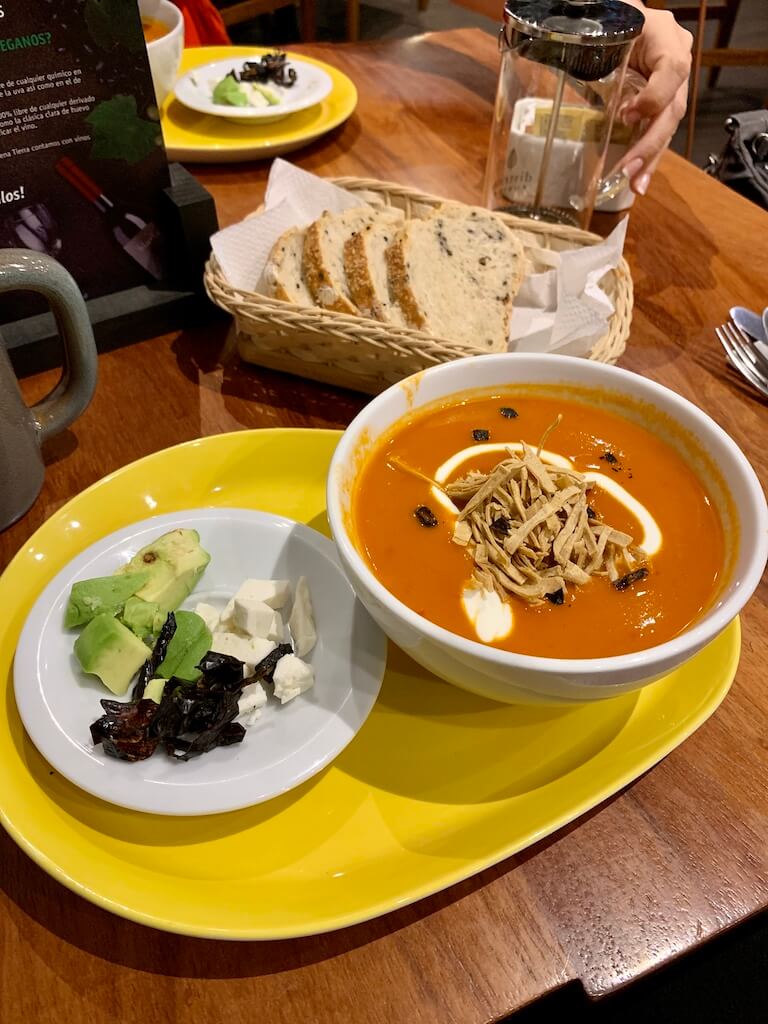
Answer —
641 187
631 117
633 167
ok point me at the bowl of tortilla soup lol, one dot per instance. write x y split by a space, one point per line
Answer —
543 528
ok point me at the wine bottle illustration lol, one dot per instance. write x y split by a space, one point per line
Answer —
137 239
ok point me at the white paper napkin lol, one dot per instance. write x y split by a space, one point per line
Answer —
565 309
294 199
559 309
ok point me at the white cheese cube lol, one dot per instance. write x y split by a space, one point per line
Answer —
252 698
249 718
292 677
258 620
275 593
227 619
246 649
209 615
302 620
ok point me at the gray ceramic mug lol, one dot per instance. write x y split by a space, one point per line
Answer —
23 430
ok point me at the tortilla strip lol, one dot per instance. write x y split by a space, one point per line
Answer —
566 538
539 470
498 477
553 505
527 528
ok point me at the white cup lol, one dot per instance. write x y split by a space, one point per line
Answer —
165 52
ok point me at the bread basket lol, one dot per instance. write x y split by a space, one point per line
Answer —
367 355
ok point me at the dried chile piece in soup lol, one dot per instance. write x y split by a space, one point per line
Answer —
426 516
591 514
501 526
558 597
612 461
631 577
508 412
481 434
149 668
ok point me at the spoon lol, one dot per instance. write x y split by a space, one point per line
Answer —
750 322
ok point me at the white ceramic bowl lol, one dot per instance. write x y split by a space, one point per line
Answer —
516 678
165 52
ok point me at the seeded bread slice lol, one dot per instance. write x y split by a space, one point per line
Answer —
323 259
455 275
366 267
282 273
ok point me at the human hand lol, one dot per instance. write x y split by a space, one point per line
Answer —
662 55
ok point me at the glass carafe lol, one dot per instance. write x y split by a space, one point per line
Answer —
561 82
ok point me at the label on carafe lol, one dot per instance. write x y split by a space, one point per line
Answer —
575 149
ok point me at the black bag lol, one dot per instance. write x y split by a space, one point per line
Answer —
743 163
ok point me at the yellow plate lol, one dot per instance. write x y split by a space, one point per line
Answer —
202 138
437 785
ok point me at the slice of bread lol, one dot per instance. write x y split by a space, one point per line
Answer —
282 273
323 259
455 275
366 267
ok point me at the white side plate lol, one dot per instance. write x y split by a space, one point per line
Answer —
288 745
195 90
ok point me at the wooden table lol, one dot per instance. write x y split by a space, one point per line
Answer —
677 857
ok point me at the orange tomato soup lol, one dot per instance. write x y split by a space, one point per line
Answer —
153 29
427 571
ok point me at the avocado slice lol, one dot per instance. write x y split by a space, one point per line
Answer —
102 595
174 562
154 690
143 618
229 93
189 645
108 649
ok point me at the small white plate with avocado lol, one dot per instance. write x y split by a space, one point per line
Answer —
115 622
222 89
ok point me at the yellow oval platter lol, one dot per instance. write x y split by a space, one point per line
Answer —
437 785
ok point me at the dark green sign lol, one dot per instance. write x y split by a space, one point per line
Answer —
82 163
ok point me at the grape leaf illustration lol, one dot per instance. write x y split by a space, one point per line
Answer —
113 23
119 133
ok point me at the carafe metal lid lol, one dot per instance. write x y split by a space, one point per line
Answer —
585 22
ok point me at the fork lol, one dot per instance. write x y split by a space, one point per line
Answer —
742 356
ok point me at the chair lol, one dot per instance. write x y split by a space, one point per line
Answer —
243 10
725 11
353 18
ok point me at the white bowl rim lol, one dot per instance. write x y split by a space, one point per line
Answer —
673 651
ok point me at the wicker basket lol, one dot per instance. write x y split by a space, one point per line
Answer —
366 355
